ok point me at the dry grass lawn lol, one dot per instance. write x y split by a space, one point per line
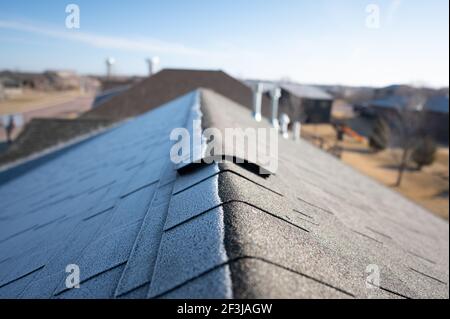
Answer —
34 100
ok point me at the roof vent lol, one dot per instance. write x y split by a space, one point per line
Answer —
276 95
109 65
257 100
284 123
245 164
152 65
297 130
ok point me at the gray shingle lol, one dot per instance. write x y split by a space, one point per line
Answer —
72 209
14 288
141 262
209 286
188 251
101 286
261 279
106 252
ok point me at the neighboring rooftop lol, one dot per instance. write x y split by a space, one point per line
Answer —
306 91
390 102
299 90
116 206
437 103
43 133
169 84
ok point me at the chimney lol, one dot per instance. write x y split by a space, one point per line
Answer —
297 130
284 123
152 65
257 100
275 94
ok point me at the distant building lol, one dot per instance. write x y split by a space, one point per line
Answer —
47 81
303 103
310 104
9 87
434 113
36 81
63 79
436 116
169 84
7 81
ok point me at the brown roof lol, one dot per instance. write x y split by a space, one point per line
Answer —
111 83
169 84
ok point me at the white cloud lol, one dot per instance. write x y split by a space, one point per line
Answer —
223 55
106 42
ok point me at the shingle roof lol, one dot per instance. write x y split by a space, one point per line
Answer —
391 102
300 90
169 84
42 133
437 103
306 91
116 206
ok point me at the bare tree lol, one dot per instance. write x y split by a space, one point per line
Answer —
407 127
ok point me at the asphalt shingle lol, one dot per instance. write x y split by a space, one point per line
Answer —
116 206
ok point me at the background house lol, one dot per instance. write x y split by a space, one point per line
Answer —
436 117
308 104
26 80
53 80
432 115
303 103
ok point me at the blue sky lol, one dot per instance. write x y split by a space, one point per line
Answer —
320 41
